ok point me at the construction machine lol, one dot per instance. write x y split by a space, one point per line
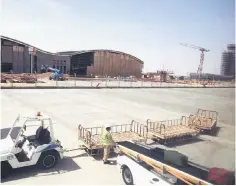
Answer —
56 74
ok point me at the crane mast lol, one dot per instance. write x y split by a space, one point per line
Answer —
202 50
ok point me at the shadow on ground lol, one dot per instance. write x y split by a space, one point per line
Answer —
66 165
181 142
111 158
80 155
215 132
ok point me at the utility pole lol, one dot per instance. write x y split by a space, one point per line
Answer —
32 52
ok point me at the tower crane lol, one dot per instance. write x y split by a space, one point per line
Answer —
200 67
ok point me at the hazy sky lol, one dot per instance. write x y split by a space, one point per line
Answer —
148 29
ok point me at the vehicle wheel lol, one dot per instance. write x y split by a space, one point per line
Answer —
6 169
127 176
48 159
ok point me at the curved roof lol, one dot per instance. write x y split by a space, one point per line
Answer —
28 45
71 53
68 53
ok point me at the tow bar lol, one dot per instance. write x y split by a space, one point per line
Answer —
79 148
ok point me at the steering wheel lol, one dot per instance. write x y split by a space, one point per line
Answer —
30 144
20 143
24 137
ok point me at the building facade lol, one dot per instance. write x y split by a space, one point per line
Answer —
228 61
15 57
104 63
211 77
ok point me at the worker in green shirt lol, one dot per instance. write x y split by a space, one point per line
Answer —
107 142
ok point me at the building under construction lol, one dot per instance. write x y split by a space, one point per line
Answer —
21 57
228 61
160 75
210 77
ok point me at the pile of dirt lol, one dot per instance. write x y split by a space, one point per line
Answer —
48 74
18 78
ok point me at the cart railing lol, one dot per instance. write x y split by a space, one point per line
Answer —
85 134
161 126
204 119
139 128
207 114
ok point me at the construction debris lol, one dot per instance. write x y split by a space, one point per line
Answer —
18 78
47 75
44 75
25 78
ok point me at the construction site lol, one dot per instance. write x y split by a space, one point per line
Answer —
174 136
23 64
117 93
199 123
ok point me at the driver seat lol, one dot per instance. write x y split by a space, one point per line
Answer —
42 136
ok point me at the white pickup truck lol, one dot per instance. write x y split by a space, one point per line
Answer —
134 173
142 164
138 172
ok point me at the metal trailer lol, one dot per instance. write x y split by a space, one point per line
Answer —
91 137
168 131
204 120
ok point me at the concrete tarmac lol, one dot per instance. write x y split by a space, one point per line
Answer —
69 108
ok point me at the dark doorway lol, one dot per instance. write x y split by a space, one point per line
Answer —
80 62
6 67
35 64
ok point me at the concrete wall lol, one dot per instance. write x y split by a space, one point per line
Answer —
18 55
59 62
8 54
13 53
62 62
114 64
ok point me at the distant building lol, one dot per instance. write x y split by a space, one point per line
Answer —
211 77
104 62
15 57
228 61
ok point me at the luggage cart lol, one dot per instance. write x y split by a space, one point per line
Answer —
204 120
169 131
91 137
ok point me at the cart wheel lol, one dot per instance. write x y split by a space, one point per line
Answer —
211 132
127 176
